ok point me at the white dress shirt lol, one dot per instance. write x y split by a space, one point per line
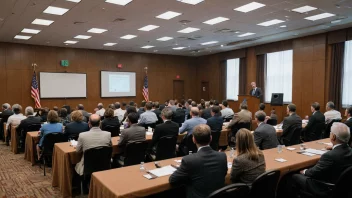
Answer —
100 112
119 113
332 115
15 120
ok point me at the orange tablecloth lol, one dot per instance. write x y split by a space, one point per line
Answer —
108 184
14 140
32 140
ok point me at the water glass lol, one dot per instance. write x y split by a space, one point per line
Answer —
232 152
279 148
302 147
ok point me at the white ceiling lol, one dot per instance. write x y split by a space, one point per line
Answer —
18 14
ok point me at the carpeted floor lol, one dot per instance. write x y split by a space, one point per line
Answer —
19 179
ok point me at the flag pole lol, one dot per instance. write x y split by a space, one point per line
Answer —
34 65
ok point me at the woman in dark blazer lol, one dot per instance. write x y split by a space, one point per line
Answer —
109 119
73 129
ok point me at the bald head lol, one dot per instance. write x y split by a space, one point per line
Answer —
94 120
194 111
341 131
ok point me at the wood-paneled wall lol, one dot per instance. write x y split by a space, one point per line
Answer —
16 72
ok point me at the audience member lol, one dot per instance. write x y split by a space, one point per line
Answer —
63 116
148 117
179 115
261 107
226 112
273 115
44 114
157 110
215 122
100 110
348 122
331 113
292 120
202 172
85 114
189 125
6 112
130 109
119 113
310 132
16 118
264 135
109 120
73 129
244 116
206 113
55 108
172 105
91 139
249 162
30 120
142 108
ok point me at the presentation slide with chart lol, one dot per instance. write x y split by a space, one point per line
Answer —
118 84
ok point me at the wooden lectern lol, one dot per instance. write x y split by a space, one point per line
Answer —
252 102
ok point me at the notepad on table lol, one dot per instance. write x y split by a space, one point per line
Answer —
160 172
315 151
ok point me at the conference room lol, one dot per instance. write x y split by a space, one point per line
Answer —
175 98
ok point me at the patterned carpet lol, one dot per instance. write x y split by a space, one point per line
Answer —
19 179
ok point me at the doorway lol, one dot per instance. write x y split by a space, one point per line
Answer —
205 91
179 90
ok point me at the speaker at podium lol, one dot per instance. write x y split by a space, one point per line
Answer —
277 99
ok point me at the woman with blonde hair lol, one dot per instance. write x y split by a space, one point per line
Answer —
250 162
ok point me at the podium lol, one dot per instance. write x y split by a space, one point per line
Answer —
252 102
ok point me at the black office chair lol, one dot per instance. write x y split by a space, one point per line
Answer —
23 134
95 159
214 144
265 184
228 119
315 134
166 148
189 145
48 147
234 129
328 128
114 130
151 125
134 153
238 190
272 122
73 137
296 136
342 188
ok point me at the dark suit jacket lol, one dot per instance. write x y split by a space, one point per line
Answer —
158 115
26 122
168 128
311 132
133 134
258 92
349 124
206 113
5 115
265 136
202 172
179 116
215 123
289 121
140 111
110 121
75 128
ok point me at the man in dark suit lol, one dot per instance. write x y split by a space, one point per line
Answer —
142 108
292 120
206 113
264 135
348 122
6 113
331 164
215 122
179 115
316 124
168 128
255 91
157 111
204 171
24 124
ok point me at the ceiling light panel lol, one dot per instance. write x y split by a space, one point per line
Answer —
168 15
271 22
55 10
30 31
165 38
246 34
97 30
42 22
148 28
319 16
249 7
119 2
188 30
209 43
304 9
216 20
128 36
178 48
82 37
70 42
21 37
110 44
192 2
75 1
147 47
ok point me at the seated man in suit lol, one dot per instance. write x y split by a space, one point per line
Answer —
264 135
30 120
179 115
148 117
292 120
330 165
204 171
189 125
244 116
348 122
215 122
14 120
74 128
141 108
206 113
310 132
91 139
331 113
6 113
226 112
168 128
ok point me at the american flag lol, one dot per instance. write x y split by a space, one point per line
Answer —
35 91
145 88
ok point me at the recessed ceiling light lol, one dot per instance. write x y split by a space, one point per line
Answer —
55 10
30 31
165 38
216 20
246 34
271 22
319 16
188 30
110 44
97 30
82 37
70 42
178 48
22 37
222 45
147 46
128 36
148 28
119 2
249 7
42 22
168 15
304 9
192 2
210 42
283 26
76 1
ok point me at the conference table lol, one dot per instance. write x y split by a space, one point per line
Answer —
109 184
32 139
14 140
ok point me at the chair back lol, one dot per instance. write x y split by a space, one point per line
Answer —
272 122
214 144
234 129
190 146
135 153
31 127
319 131
50 140
295 138
265 184
114 130
166 148
343 185
228 119
97 159
151 125
328 128
238 190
